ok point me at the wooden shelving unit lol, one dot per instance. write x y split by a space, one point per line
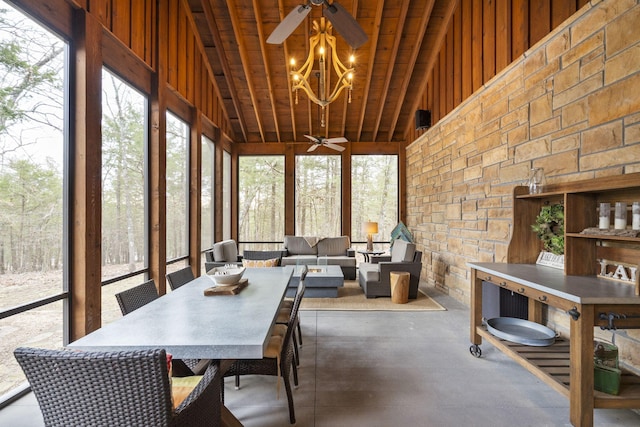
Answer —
567 366
551 365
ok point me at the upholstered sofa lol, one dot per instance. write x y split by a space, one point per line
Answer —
374 276
300 250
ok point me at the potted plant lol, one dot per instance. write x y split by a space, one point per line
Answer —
549 227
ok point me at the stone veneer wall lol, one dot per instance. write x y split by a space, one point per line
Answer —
571 104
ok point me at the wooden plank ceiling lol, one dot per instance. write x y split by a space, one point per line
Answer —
404 37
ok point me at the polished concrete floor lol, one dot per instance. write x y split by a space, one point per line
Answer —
392 369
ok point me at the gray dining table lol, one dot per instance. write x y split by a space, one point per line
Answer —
190 325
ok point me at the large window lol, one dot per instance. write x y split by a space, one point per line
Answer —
226 195
261 201
374 195
177 188
207 192
318 196
32 214
124 225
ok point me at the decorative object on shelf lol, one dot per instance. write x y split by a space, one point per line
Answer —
621 216
595 231
370 228
604 216
536 181
551 260
635 212
549 228
618 271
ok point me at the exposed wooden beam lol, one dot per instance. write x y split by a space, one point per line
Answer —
282 13
435 40
372 58
267 70
387 80
207 66
224 62
426 17
246 64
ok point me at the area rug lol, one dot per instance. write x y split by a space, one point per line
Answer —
351 297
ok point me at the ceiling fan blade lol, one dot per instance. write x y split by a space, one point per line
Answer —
313 138
337 140
345 25
334 146
313 147
289 24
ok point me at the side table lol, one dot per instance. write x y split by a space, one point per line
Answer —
367 254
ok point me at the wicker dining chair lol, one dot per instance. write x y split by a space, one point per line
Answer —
129 388
180 277
278 360
134 298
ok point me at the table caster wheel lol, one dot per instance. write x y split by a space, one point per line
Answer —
475 350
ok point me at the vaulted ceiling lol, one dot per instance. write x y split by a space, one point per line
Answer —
392 67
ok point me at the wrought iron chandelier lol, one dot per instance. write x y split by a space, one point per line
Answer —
322 46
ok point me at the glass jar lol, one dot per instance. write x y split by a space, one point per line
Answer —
536 181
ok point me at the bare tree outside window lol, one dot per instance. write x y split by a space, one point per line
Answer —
374 195
261 201
123 178
177 187
32 145
318 196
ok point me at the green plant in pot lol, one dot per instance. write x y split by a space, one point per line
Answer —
549 228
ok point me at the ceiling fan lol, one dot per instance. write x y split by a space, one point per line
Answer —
344 23
327 142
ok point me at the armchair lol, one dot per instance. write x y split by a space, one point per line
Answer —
374 276
223 253
116 388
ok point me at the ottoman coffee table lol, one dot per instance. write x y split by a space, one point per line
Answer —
322 281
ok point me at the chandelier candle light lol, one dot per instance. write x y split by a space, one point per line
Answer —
323 41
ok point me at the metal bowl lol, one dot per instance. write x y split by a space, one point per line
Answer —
226 275
521 331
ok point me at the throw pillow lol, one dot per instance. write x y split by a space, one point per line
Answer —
181 387
260 262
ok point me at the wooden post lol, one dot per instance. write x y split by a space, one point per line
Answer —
581 367
86 215
476 306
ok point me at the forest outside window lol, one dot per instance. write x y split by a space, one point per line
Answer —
177 174
318 195
374 196
33 256
124 225
261 212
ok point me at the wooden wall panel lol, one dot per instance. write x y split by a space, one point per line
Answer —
540 20
450 69
503 34
519 27
457 57
121 20
484 37
467 63
476 45
488 40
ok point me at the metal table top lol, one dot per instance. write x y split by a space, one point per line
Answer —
190 325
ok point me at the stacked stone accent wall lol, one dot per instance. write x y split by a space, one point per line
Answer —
571 104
